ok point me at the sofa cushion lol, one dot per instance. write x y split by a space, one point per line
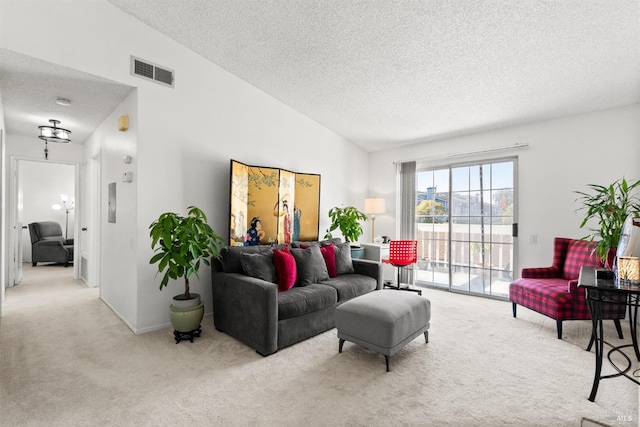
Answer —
259 265
343 258
230 256
299 301
310 264
329 254
579 253
350 286
286 270
550 297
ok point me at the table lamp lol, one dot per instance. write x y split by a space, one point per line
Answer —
373 206
629 270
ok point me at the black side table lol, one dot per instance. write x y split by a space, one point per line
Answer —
598 292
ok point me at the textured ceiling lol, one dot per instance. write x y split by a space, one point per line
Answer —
30 87
378 72
381 71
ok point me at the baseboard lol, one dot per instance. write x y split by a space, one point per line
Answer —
130 326
138 331
587 422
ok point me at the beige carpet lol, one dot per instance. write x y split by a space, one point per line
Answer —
66 360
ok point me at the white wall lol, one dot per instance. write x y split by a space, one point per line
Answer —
563 156
185 136
4 196
117 241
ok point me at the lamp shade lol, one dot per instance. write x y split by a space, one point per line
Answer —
374 205
629 270
54 133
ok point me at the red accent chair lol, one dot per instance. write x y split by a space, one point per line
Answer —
553 291
402 253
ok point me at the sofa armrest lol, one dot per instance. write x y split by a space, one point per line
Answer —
247 309
540 273
369 268
573 288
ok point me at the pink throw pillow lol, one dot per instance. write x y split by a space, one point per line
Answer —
329 255
286 271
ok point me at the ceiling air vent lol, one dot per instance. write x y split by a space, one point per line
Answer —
150 71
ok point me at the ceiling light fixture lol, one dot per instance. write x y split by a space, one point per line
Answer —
63 101
53 134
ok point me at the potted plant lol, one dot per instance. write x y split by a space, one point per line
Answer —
610 206
181 244
347 220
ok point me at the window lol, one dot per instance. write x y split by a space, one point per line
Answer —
464 227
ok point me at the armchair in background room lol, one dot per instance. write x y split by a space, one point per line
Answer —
48 244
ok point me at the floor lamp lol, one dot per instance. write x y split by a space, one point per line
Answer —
65 208
373 206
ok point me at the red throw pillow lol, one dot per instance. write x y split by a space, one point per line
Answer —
286 271
329 255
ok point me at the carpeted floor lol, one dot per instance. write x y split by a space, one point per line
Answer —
67 360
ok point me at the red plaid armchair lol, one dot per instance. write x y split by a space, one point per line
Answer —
553 291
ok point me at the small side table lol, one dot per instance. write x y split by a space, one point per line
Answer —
377 252
598 292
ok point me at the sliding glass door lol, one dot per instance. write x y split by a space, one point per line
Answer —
464 227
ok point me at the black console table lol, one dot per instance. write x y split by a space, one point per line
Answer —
607 290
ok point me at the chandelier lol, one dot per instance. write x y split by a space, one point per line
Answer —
53 134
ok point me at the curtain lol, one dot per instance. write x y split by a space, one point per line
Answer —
406 211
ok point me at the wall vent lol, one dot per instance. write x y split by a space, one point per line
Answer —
150 71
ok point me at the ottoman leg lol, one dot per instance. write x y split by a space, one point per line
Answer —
426 336
386 359
340 346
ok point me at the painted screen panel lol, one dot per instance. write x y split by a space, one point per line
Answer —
271 205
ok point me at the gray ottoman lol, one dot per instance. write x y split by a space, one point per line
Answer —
383 321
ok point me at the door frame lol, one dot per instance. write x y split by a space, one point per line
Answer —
89 218
476 162
13 208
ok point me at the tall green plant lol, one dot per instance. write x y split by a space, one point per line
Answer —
181 243
610 206
347 220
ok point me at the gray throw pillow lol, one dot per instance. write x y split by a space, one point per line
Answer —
300 244
259 265
310 264
344 265
231 256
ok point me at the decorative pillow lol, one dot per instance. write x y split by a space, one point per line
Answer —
329 254
231 256
305 244
286 271
334 241
311 265
344 265
259 265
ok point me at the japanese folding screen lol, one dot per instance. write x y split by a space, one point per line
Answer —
271 205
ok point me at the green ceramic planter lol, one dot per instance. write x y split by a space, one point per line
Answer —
186 319
357 252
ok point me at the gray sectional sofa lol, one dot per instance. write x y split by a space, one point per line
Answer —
248 305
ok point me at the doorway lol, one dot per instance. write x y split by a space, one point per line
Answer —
465 218
42 191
